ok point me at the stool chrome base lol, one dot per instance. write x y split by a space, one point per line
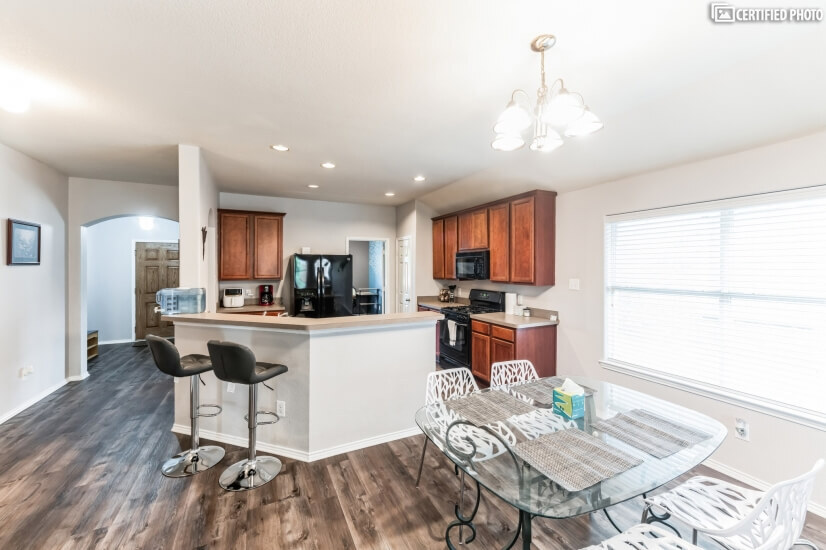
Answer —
192 461
250 474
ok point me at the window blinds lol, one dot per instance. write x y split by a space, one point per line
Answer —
729 296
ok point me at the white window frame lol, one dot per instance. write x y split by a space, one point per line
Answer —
776 409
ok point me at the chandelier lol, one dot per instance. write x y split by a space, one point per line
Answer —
557 113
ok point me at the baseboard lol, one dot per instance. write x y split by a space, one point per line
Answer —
295 454
121 341
28 403
816 509
78 377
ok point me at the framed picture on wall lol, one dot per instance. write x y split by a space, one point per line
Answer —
22 243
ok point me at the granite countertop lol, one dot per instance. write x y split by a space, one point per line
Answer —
513 321
306 324
253 308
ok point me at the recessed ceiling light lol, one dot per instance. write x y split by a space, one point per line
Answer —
313 186
419 178
390 194
280 148
327 165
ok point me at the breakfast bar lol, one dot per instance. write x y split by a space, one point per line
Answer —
352 382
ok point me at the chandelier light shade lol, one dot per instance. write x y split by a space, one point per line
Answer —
558 112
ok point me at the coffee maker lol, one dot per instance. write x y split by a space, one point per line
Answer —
265 295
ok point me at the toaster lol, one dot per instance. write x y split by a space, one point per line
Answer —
233 297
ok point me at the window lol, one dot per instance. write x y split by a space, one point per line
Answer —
725 297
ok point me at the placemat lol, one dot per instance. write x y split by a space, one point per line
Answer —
488 407
542 390
650 432
574 459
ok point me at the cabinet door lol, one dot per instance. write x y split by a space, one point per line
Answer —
523 241
479 228
451 243
499 218
480 355
267 232
235 250
501 350
439 249
466 231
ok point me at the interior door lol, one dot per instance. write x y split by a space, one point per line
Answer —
403 274
156 267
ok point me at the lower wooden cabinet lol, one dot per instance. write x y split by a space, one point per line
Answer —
491 343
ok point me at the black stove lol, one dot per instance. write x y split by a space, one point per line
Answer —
454 330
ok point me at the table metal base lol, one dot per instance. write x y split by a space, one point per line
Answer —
523 527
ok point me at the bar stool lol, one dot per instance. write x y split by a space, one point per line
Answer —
196 459
236 363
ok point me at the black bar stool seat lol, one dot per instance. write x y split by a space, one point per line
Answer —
236 363
169 361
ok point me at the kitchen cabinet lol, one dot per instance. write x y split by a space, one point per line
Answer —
250 245
519 232
445 244
473 229
500 230
439 249
492 343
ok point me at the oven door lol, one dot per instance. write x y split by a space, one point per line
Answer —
454 348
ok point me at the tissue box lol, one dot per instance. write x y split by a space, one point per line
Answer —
571 406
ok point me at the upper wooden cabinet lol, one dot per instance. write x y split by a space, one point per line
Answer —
250 245
519 231
451 244
500 230
439 249
473 229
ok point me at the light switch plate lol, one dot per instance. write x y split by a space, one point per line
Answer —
230 387
573 284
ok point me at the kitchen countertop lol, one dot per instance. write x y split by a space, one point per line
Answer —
513 321
434 303
306 324
250 309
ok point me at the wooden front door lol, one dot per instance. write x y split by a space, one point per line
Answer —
156 267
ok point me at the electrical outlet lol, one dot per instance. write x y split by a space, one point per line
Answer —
230 387
281 409
249 293
573 284
741 429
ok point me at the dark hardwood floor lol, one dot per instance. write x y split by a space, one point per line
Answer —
80 469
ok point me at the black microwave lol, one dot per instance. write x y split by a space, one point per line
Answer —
473 265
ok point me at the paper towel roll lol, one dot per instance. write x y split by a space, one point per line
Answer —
510 302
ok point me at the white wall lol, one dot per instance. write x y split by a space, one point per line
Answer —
33 316
91 201
110 275
198 200
778 448
324 227
361 263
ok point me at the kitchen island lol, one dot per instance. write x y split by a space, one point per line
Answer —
352 382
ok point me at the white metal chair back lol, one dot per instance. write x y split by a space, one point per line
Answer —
777 519
505 373
644 537
449 384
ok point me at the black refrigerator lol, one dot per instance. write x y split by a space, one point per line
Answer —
322 285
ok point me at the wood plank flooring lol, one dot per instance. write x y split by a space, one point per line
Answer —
81 469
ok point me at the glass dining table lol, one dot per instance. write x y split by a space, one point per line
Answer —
510 441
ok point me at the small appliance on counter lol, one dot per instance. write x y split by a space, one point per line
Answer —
233 297
451 293
265 295
175 301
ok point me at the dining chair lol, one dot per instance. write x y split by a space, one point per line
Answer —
644 537
505 373
739 518
442 386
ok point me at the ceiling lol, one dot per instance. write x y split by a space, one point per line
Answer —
391 89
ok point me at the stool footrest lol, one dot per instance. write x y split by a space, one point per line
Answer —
219 407
277 418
